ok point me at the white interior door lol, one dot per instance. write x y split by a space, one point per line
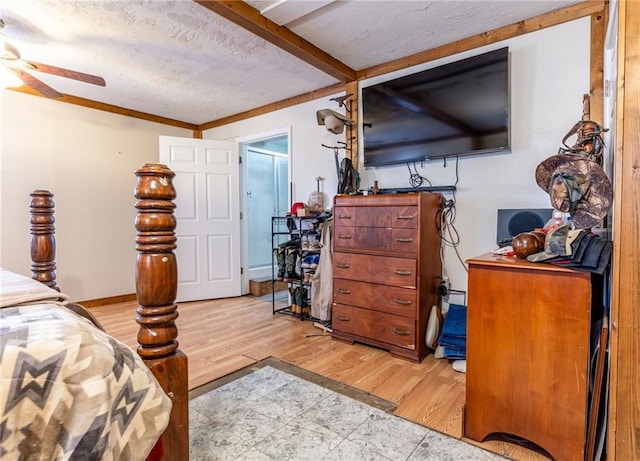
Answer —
208 216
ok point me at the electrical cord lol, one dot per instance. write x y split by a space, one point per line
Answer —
455 247
446 216
445 222
416 179
446 228
457 163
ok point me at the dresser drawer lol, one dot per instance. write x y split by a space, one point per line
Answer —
367 216
376 238
387 270
388 328
404 241
405 217
376 216
351 237
344 216
383 298
373 216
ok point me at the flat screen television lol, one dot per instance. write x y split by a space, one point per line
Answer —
460 108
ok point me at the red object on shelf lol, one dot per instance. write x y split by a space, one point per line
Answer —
295 207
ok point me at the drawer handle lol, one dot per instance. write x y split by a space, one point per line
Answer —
344 237
343 265
342 291
400 332
404 216
404 302
404 240
344 216
343 318
401 272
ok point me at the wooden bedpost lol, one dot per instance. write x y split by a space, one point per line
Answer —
156 289
43 241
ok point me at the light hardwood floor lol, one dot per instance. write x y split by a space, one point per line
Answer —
223 336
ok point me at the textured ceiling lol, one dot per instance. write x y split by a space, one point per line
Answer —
179 60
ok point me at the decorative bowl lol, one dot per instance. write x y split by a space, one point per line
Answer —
527 243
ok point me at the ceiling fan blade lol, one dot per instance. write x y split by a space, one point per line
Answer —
19 64
72 74
38 85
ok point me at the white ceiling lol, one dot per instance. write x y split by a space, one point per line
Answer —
178 59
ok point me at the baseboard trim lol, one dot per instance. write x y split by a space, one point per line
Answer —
110 300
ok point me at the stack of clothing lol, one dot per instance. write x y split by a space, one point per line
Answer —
577 249
454 333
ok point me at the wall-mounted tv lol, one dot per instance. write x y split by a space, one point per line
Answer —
460 108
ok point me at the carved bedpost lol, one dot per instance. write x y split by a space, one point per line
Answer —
43 241
156 266
156 289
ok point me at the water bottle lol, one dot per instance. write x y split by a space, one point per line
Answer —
557 220
568 220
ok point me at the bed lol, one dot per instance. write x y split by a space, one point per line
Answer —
68 390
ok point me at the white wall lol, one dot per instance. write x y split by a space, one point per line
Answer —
87 159
549 76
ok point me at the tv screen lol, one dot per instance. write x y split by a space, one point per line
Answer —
460 108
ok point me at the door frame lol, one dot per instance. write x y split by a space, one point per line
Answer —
244 180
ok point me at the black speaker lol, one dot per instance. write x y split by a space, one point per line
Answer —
512 222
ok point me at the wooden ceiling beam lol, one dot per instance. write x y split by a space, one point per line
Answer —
91 104
543 21
293 101
247 17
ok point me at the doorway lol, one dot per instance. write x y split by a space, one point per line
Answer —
266 167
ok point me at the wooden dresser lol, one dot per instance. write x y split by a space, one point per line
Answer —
528 349
386 270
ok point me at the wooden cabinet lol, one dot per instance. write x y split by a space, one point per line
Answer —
528 352
386 270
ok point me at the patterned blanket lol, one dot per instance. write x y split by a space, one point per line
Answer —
69 391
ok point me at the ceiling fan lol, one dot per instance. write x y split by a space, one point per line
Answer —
15 66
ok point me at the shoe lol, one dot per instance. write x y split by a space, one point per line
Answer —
298 270
303 302
279 254
306 261
295 297
315 245
315 259
291 260
299 300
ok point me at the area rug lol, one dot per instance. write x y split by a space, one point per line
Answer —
275 411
